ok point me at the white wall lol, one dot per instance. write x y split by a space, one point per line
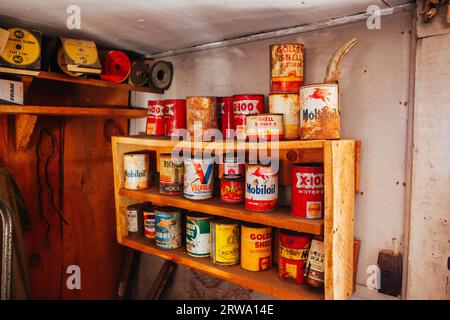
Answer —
374 101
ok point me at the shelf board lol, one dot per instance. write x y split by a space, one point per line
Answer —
74 111
281 218
92 82
265 281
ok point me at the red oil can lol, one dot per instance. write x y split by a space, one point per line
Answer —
175 116
307 190
293 254
155 118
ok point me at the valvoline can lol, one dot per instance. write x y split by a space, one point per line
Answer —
156 123
307 190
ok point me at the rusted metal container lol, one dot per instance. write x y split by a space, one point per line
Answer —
319 116
156 123
286 67
198 178
261 191
315 266
225 122
294 248
175 116
203 112
256 247
264 126
225 241
171 175
168 227
244 105
232 190
288 104
307 190
136 170
198 236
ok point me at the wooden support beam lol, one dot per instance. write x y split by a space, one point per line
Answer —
24 126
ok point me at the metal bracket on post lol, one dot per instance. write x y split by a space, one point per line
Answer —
7 236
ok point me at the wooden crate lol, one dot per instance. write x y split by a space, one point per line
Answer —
340 158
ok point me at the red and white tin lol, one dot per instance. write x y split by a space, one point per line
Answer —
293 255
267 126
244 105
261 188
230 167
156 123
232 190
225 121
307 190
175 116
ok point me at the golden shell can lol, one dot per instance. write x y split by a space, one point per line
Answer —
171 175
319 116
198 237
266 126
256 247
168 227
224 242
286 67
136 170
288 104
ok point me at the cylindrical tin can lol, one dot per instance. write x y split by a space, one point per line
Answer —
293 255
266 126
315 266
286 67
307 190
201 115
224 242
135 221
198 178
149 221
171 175
116 66
256 247
168 227
198 238
230 167
225 121
319 116
156 123
287 104
232 190
244 105
136 167
175 114
261 192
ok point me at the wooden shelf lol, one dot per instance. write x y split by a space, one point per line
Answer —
73 111
265 281
281 218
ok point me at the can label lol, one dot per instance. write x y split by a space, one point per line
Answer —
319 118
155 118
244 105
293 254
315 267
198 238
22 48
175 116
133 220
261 192
136 171
307 191
203 111
232 190
225 243
149 224
265 126
225 113
198 178
256 248
171 174
289 106
286 67
168 229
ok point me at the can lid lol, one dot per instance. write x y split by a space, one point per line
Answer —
263 114
238 178
254 225
167 209
308 164
225 221
196 214
293 233
319 85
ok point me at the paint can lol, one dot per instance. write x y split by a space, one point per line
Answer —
286 67
230 167
135 220
244 105
175 116
256 247
116 66
225 120
168 227
319 116
307 191
224 242
149 221
198 237
232 190
294 248
198 178
171 174
201 115
261 191
315 265
136 170
265 126
287 104
156 124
